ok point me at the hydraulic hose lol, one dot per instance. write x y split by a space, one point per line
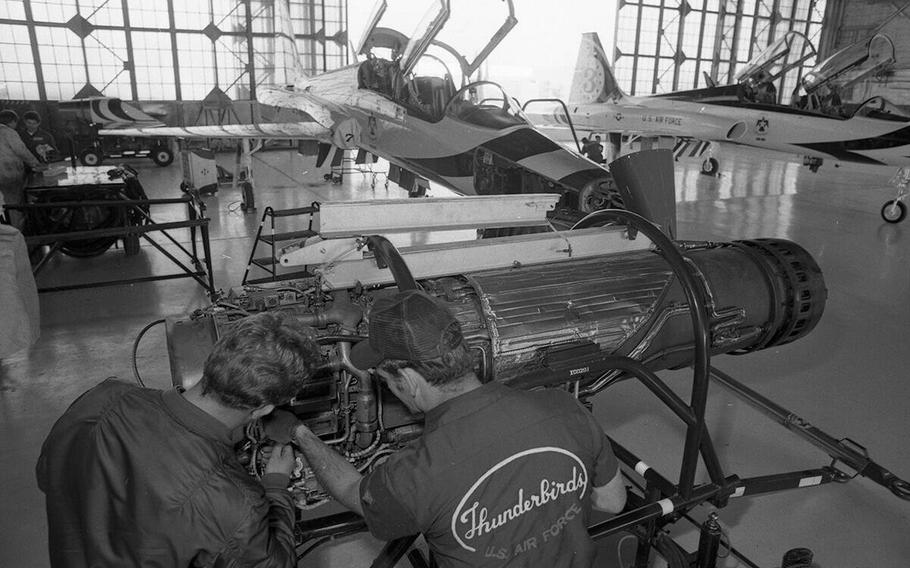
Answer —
136 349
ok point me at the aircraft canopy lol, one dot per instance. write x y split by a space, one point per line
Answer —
467 31
788 52
851 64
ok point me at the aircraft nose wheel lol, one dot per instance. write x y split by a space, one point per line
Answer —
894 211
710 166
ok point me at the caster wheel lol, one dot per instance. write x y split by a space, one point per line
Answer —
90 158
131 245
894 211
162 156
709 167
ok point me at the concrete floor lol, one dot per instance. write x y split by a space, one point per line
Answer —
849 377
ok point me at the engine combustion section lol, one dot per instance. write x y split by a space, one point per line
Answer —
551 322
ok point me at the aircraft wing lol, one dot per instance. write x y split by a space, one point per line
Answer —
281 131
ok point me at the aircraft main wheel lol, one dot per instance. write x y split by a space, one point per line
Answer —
709 167
599 194
90 157
67 219
894 211
162 155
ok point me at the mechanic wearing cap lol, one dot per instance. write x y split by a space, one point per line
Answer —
498 477
143 477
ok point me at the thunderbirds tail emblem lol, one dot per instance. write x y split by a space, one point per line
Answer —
593 81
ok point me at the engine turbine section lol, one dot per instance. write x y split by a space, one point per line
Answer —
530 326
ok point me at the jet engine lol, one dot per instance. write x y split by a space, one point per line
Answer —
546 325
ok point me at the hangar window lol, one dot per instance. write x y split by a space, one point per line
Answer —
16 60
139 50
709 37
13 10
154 66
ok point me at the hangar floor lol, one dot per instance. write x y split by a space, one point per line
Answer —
848 377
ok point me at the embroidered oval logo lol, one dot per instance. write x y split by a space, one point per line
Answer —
564 476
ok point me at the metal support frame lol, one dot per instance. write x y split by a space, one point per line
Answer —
201 270
664 502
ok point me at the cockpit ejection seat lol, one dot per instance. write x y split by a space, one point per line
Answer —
433 93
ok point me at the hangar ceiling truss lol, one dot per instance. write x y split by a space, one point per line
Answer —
170 50
670 45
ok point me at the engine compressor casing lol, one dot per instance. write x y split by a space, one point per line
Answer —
760 293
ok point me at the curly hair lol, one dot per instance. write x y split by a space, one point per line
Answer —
8 116
264 359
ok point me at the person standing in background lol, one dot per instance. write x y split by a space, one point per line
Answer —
40 142
14 157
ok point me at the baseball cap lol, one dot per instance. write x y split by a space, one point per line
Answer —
412 325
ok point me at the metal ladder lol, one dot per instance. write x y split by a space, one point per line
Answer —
270 263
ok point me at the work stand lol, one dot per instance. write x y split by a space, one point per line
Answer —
657 501
135 223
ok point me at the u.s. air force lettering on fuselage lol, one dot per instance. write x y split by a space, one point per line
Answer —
662 119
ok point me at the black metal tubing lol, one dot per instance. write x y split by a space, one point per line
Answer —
388 256
848 452
625 521
145 214
782 481
112 232
651 476
696 433
189 271
565 109
120 282
654 384
202 273
100 202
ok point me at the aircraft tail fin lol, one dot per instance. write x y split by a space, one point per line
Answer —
288 67
593 81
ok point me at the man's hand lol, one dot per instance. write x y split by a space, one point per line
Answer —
280 425
282 460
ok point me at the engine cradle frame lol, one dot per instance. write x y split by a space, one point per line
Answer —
585 368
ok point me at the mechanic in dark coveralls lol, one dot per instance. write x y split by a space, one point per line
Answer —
499 477
40 142
142 477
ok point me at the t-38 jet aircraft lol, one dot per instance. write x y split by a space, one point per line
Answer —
401 103
815 125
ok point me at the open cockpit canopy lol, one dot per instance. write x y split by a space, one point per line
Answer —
468 30
787 53
414 48
851 64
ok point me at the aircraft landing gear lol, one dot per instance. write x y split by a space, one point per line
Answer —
895 210
813 162
710 166
334 177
